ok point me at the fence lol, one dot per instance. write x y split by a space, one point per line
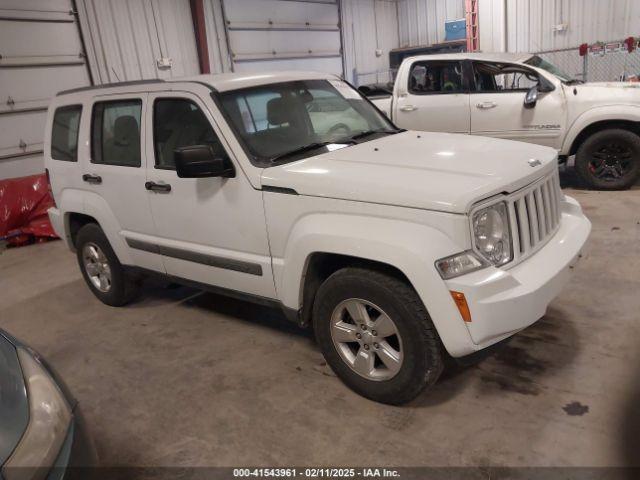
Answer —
604 67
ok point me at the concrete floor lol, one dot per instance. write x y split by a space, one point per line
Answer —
187 378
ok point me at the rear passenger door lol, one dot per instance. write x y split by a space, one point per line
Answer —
114 174
209 230
434 98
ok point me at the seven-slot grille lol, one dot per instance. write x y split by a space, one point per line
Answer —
535 215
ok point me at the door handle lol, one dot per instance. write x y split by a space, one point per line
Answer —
408 108
486 105
95 179
157 187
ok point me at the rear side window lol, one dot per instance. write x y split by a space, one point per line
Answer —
115 133
64 134
436 78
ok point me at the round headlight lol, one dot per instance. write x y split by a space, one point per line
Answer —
492 238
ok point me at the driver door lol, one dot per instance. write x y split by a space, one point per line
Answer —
497 105
210 231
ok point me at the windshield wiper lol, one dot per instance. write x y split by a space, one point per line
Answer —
342 141
306 148
368 133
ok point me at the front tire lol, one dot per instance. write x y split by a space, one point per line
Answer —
376 335
609 160
102 271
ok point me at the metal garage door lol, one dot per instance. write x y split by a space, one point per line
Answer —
40 54
138 39
284 34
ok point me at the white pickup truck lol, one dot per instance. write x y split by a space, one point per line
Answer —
522 97
291 190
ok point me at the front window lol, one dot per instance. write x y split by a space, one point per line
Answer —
496 78
287 121
178 123
538 62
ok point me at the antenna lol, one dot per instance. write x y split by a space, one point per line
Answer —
114 72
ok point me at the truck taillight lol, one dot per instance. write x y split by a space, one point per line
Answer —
46 171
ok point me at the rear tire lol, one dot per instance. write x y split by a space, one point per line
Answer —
102 271
609 160
406 354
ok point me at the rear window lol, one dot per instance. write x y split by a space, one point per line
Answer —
64 134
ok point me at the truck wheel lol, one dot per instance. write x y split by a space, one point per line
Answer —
101 269
376 335
609 160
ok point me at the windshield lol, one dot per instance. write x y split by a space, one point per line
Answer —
549 67
292 120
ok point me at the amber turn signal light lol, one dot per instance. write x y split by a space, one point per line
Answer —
461 303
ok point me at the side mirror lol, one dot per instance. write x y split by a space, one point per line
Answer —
531 99
200 161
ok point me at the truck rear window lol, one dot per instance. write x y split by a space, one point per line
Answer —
64 134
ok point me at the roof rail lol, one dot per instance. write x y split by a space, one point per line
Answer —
110 85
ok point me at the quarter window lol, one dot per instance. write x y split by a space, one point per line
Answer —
64 134
435 78
180 123
115 136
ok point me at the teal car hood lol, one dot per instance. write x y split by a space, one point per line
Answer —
14 403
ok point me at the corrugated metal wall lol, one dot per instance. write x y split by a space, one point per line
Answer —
530 23
491 16
370 25
129 39
370 30
421 22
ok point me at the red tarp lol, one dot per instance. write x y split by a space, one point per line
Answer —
23 210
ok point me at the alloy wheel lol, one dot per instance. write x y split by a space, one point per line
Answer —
611 161
367 339
97 267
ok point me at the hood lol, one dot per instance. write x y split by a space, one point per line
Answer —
626 85
432 171
606 93
14 403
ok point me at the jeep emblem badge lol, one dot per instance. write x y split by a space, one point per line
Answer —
534 162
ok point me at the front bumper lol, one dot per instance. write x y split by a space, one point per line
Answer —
503 302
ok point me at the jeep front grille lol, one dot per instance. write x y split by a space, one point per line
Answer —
535 215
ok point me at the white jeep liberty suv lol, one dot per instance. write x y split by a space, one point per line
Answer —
292 190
